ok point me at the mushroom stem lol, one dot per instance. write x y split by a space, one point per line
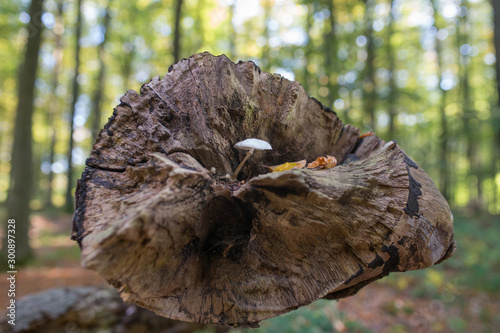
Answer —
237 171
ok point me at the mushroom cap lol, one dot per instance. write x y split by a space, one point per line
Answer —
253 144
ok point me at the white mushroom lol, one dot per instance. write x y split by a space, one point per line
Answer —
251 145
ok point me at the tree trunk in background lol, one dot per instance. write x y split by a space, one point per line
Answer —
496 125
129 50
331 62
99 84
369 79
198 27
470 122
76 88
233 55
3 131
54 101
18 202
345 114
266 48
443 151
392 98
177 31
308 49
127 66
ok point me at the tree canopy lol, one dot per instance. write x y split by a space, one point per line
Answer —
419 72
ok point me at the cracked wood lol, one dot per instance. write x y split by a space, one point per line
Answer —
173 237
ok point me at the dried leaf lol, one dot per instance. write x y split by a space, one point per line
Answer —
316 163
321 162
331 161
288 166
365 135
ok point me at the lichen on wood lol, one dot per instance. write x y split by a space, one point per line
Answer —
177 238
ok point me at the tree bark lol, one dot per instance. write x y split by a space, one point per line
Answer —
69 205
21 177
158 220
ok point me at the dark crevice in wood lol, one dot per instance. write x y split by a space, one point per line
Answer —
354 289
412 207
90 164
81 206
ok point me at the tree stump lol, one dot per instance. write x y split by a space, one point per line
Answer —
173 236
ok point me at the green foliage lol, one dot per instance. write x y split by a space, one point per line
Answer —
321 316
58 254
296 39
478 253
457 324
475 264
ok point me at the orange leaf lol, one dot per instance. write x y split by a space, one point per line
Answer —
365 135
321 162
331 161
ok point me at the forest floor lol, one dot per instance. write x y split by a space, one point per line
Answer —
460 295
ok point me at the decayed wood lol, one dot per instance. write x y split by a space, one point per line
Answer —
176 238
86 309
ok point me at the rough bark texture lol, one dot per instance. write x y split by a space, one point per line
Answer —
173 237
86 309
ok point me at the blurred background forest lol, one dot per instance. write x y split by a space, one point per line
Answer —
420 72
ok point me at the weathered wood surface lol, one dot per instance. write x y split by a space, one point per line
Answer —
86 309
173 237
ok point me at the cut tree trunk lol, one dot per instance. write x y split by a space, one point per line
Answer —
175 237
